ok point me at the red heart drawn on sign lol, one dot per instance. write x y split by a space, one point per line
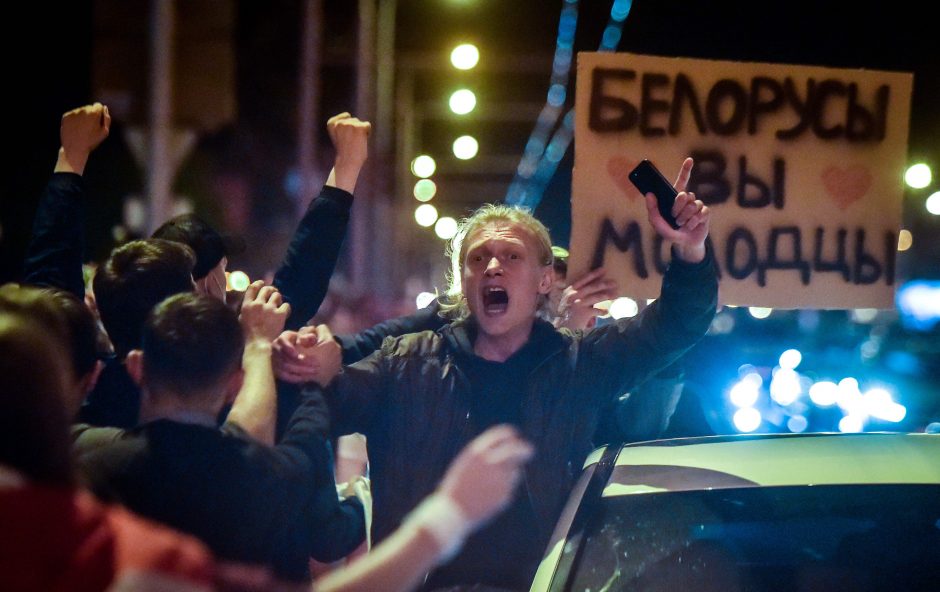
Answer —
619 167
846 186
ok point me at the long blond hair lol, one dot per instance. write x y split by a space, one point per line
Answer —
453 302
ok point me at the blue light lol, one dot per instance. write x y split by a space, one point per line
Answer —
611 37
293 183
534 147
620 10
555 152
556 95
747 419
562 62
797 424
568 23
919 304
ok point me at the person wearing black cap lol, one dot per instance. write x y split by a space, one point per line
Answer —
304 275
212 250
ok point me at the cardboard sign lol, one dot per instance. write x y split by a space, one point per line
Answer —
801 166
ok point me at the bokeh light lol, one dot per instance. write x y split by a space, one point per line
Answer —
446 228
623 308
466 147
918 176
933 203
465 56
237 280
423 166
759 312
462 101
744 393
790 359
425 190
424 299
747 419
905 238
426 215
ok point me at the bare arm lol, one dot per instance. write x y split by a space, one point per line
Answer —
479 483
311 257
262 318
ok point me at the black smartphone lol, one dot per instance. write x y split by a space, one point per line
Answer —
648 179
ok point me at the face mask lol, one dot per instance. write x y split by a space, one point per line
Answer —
220 286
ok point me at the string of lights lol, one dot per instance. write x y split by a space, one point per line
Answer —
540 159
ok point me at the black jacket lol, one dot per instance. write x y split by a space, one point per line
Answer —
55 254
248 502
412 400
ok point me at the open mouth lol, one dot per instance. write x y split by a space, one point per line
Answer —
495 300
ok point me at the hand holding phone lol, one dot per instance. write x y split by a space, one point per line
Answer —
648 179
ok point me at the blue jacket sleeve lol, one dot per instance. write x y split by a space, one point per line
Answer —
358 346
623 354
304 276
54 254
331 528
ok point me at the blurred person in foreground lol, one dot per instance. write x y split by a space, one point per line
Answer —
57 537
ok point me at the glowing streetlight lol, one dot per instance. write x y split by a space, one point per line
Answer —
905 238
933 203
426 215
424 299
446 228
463 101
425 189
466 147
918 176
759 312
423 166
238 280
623 308
465 56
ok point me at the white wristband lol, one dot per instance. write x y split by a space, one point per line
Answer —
443 519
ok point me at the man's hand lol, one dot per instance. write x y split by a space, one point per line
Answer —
290 362
308 355
326 355
350 137
81 131
484 475
576 306
263 313
691 214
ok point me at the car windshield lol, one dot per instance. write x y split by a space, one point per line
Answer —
859 537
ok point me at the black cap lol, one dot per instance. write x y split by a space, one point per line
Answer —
209 245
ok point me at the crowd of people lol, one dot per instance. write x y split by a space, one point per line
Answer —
162 432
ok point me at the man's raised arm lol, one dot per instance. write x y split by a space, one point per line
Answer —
304 276
54 254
